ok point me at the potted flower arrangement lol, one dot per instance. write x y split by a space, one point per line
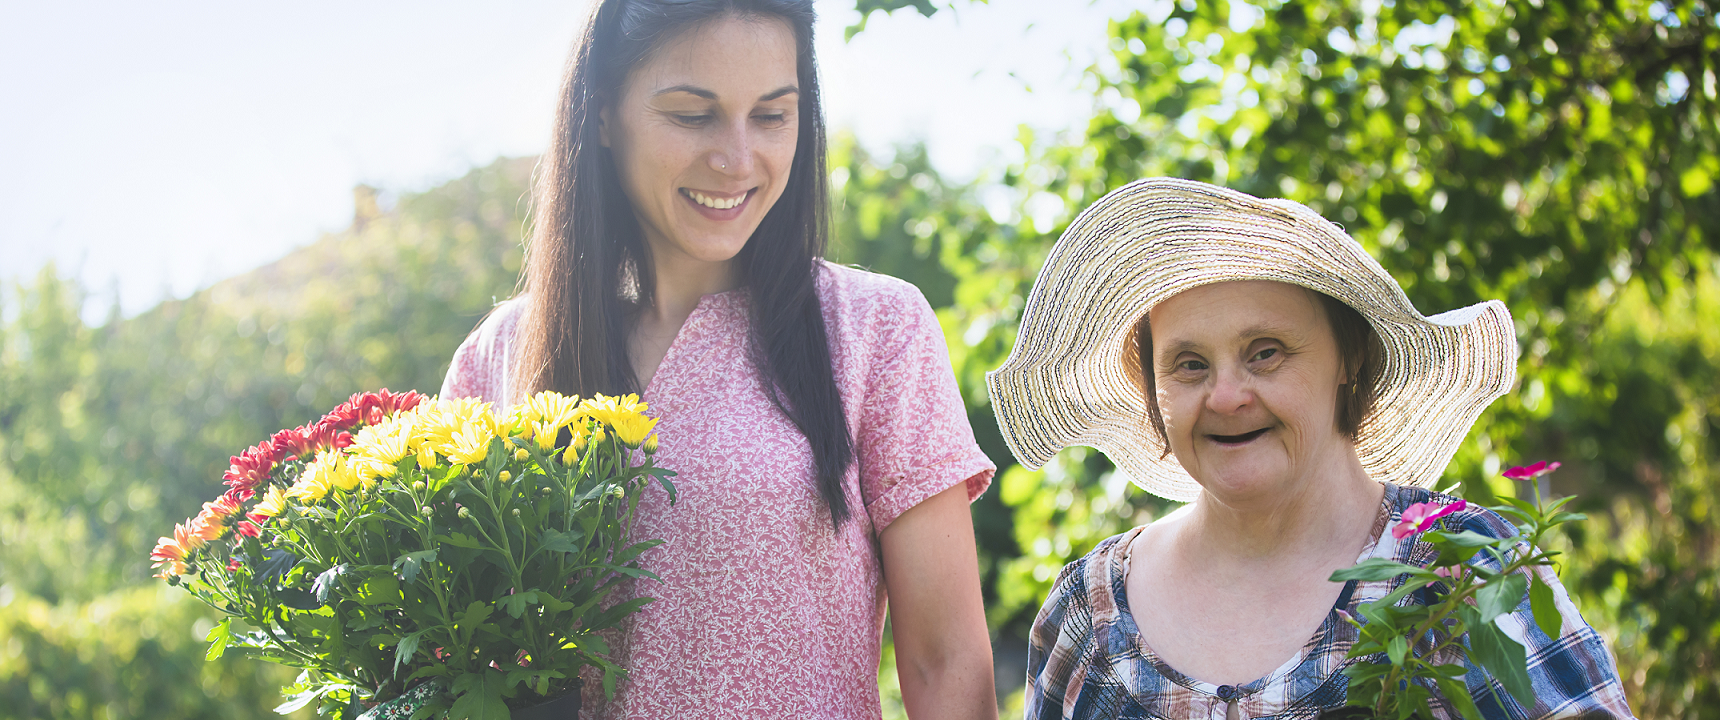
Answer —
408 543
1466 598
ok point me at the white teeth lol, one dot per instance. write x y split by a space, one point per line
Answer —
715 203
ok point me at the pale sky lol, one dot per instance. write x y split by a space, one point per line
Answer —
157 147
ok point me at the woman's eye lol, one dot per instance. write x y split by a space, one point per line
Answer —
692 119
1264 354
772 120
1191 365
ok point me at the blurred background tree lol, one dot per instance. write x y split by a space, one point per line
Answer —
1560 156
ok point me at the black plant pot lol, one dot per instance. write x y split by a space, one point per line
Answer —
565 707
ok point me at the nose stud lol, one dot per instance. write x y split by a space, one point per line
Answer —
725 166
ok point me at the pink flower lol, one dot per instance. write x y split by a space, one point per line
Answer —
1530 472
250 468
1421 516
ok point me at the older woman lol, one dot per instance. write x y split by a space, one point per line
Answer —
824 456
1248 356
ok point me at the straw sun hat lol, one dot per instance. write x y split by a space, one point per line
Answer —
1065 382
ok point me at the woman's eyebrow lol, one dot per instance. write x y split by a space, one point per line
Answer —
689 89
708 95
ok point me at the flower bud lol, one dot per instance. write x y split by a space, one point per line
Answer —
504 476
426 511
521 455
516 512
599 435
464 513
650 446
418 485
618 492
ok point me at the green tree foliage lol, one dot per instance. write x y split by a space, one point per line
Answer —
110 435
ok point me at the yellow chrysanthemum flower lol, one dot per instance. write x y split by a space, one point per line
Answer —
633 429
469 445
385 442
544 433
610 410
272 504
553 408
313 484
377 448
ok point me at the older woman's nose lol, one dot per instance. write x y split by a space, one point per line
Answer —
1232 390
733 152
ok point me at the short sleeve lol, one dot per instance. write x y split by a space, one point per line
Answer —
913 437
1573 675
1055 644
481 364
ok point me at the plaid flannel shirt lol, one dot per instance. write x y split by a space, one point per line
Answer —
1086 660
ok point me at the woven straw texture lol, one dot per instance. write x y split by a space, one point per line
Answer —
1065 381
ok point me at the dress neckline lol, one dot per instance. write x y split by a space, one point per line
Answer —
708 305
1118 572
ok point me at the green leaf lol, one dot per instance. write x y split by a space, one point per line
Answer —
406 566
1397 649
1468 538
379 590
406 648
297 599
297 701
325 583
274 564
1457 693
1504 658
1363 671
460 540
479 697
219 637
1375 569
1501 595
558 541
1545 608
516 603
627 555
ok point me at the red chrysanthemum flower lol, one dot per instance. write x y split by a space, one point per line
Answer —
250 468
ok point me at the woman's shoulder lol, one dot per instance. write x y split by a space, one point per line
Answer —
479 367
853 288
1087 579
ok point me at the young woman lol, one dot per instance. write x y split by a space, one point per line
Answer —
824 456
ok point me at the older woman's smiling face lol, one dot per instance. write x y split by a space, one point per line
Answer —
1248 374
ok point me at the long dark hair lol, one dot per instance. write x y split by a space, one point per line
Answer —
588 267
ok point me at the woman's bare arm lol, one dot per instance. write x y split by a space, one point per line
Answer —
937 615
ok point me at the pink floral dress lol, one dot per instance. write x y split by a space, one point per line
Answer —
765 609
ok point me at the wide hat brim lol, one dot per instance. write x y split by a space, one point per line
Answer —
1066 383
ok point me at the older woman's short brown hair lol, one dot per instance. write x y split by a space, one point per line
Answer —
1358 347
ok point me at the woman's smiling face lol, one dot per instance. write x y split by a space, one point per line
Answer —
1248 374
703 135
